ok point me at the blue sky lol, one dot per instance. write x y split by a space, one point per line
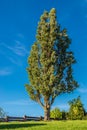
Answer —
18 24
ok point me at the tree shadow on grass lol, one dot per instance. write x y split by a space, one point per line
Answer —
18 125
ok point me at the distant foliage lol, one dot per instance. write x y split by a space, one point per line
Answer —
64 115
76 110
2 113
56 113
85 116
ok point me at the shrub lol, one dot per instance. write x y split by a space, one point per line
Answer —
56 113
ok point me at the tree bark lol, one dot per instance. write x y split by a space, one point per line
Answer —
47 113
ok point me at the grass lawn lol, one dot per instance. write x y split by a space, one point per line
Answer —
52 125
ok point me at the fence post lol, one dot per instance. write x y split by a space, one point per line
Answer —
41 118
6 118
25 117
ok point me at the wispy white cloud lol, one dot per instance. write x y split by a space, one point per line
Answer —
14 52
20 35
5 71
85 16
15 61
17 48
21 102
20 49
61 106
83 4
85 0
82 88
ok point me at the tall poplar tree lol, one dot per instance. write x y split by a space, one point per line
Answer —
50 63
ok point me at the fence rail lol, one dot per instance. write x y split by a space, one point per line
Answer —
24 118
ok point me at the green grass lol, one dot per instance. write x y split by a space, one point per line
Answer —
52 125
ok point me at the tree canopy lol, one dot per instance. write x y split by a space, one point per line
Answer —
50 63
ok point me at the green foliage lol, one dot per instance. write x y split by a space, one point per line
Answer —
85 117
76 110
56 114
50 62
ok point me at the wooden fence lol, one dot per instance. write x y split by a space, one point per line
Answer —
24 118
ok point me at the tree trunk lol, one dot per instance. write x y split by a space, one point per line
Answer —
47 113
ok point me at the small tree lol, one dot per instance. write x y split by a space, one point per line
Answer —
56 113
76 110
50 63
